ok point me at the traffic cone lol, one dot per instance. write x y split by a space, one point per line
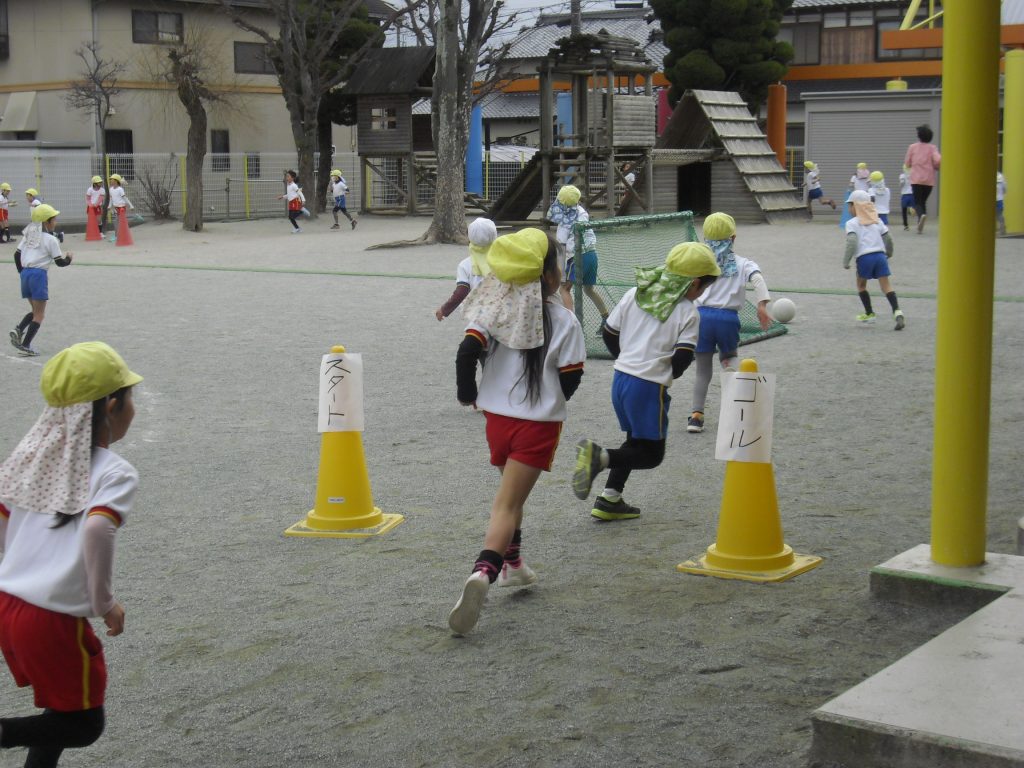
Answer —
124 232
344 505
749 544
92 227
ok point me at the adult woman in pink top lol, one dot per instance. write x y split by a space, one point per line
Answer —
923 159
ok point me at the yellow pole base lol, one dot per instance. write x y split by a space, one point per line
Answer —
309 527
798 564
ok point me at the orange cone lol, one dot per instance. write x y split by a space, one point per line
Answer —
92 227
124 232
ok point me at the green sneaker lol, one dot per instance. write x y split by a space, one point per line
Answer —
613 510
588 465
867 317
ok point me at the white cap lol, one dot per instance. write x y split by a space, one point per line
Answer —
482 232
860 196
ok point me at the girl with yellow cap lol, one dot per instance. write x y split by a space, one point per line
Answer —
868 240
36 251
63 497
118 201
5 205
906 197
339 188
565 211
813 190
719 307
651 333
534 353
474 268
95 196
861 178
880 195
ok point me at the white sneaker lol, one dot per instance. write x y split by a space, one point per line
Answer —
466 612
516 577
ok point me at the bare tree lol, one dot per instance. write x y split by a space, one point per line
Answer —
94 93
463 73
303 47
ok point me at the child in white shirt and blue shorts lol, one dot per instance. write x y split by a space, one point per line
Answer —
868 239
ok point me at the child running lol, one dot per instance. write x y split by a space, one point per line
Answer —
812 185
339 188
1000 198
5 205
119 202
32 197
63 497
37 249
534 362
868 239
565 212
94 197
719 307
861 178
294 197
880 195
651 334
906 197
472 269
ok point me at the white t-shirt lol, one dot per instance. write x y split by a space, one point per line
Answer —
338 188
905 187
630 178
1000 186
869 236
291 192
34 202
730 292
95 196
43 565
858 183
811 180
881 195
118 198
464 274
43 254
4 202
645 344
504 368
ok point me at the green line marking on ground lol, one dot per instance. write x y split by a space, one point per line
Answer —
414 276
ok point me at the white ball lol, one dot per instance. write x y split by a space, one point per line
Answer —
783 310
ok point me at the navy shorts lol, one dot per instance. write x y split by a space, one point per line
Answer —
589 268
814 194
34 284
719 328
339 203
884 218
872 266
999 206
907 201
641 405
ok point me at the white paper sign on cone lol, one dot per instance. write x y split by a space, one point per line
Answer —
341 393
745 422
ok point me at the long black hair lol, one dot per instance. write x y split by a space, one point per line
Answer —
533 359
99 424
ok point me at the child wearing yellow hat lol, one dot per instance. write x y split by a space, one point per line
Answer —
474 268
339 188
906 196
95 196
5 205
812 188
118 201
63 496
36 251
534 354
868 240
651 333
861 178
880 195
719 307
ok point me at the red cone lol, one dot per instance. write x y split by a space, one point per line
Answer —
124 233
92 227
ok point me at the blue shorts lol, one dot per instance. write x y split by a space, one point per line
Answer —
906 201
339 203
814 194
589 268
872 266
641 405
719 328
34 284
999 206
884 218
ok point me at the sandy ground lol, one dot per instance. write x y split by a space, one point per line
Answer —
246 648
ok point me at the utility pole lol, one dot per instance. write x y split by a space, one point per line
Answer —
574 13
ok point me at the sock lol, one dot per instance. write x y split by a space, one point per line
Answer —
489 562
24 322
612 495
893 302
30 334
865 299
512 558
605 458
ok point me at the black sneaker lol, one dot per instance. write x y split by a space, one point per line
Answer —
354 222
588 465
27 351
696 422
613 510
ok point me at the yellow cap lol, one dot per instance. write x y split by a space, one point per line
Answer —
44 212
519 258
5 187
692 260
862 165
335 172
808 164
569 195
97 180
116 177
83 373
32 191
876 176
719 226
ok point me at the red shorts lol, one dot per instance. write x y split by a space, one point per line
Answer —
95 210
3 215
295 204
532 443
58 655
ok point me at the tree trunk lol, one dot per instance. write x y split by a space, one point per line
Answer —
192 221
324 134
304 131
449 222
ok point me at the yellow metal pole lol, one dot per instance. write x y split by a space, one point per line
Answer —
1013 140
110 210
970 90
184 186
245 183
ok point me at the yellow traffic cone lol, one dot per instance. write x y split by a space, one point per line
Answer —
344 505
749 545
